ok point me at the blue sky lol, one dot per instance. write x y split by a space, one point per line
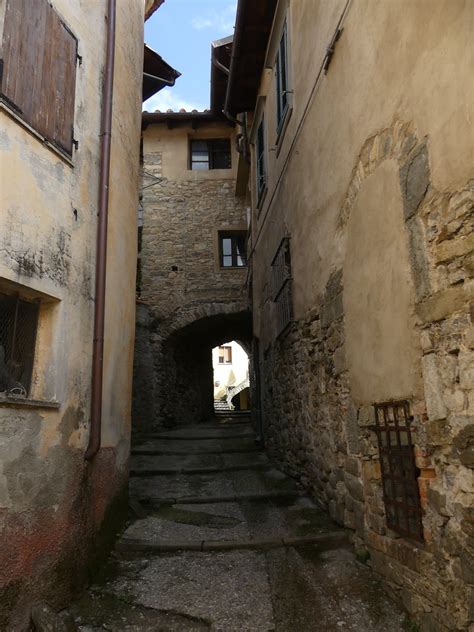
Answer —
181 31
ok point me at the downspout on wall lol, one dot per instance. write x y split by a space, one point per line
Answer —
101 252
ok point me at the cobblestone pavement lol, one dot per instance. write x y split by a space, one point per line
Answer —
224 541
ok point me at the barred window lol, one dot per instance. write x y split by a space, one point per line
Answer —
281 285
18 327
399 471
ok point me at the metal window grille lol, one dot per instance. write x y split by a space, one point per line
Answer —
281 285
18 326
399 471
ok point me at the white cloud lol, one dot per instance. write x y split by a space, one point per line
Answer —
168 99
222 21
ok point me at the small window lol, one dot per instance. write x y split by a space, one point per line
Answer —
261 172
281 285
399 471
39 70
225 355
232 250
18 326
281 73
210 154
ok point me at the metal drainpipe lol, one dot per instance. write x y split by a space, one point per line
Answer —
101 253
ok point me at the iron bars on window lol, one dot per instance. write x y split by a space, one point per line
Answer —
18 326
281 285
399 471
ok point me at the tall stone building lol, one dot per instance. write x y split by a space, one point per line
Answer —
359 116
63 474
192 259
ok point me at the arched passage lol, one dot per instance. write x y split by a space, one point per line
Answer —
178 373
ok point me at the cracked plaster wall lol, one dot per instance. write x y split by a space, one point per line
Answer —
52 503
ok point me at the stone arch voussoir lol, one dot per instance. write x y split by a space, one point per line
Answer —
398 142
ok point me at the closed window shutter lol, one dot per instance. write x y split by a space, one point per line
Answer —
39 69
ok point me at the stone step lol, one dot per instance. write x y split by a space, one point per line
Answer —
173 500
275 516
146 450
199 470
186 446
195 461
208 436
150 547
209 486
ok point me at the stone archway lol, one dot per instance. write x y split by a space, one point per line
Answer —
176 381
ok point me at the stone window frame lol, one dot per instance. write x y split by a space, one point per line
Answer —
32 396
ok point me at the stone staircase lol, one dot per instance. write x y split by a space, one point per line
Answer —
222 540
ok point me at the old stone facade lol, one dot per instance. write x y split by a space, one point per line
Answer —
188 299
57 510
370 186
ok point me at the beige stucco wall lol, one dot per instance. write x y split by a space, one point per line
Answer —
48 225
173 144
378 74
379 298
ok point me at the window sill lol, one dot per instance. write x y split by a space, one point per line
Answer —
24 402
233 267
10 112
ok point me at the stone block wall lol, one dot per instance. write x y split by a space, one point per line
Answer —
182 282
320 432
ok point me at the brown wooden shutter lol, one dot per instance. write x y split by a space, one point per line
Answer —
39 69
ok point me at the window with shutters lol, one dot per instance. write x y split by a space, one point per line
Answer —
281 78
225 355
232 249
38 70
281 286
260 162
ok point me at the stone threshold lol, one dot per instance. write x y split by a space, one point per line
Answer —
132 545
157 452
231 498
201 470
249 435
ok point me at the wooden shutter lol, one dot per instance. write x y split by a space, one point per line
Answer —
39 69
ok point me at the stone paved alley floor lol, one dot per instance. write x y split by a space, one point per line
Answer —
223 540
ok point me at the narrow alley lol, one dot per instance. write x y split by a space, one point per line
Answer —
236 315
223 540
